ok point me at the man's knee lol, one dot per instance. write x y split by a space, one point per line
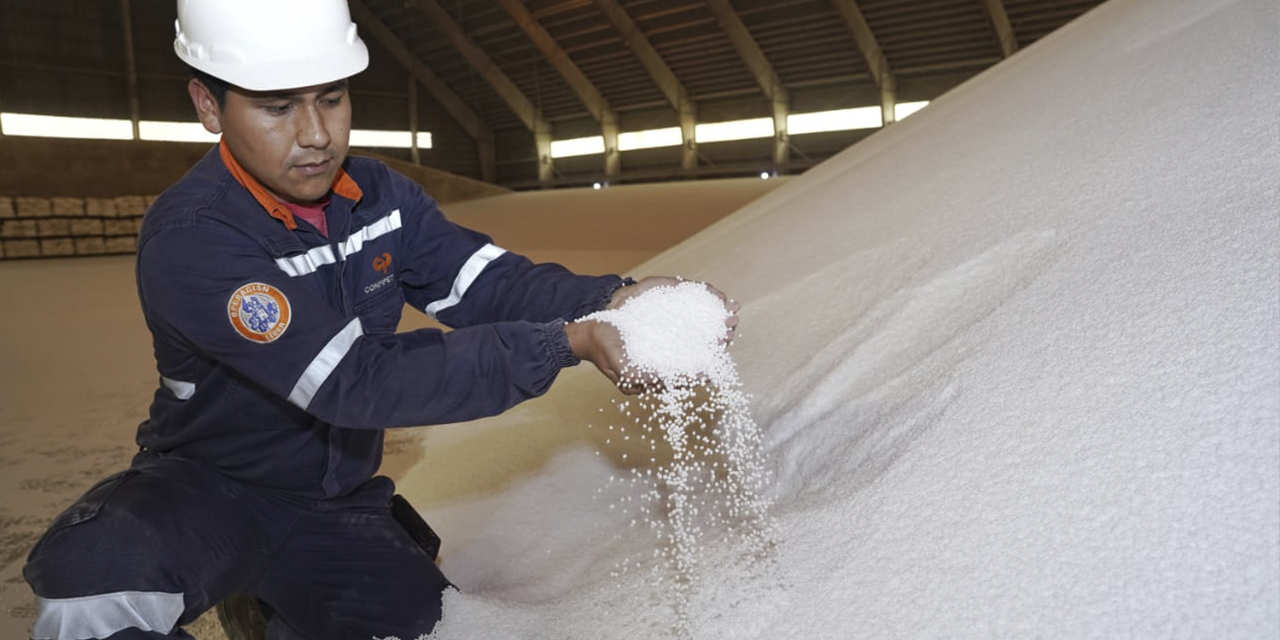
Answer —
85 590
94 575
94 547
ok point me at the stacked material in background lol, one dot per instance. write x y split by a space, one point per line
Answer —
61 227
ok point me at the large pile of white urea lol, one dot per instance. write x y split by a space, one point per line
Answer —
1015 360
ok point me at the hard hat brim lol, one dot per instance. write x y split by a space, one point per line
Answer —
277 75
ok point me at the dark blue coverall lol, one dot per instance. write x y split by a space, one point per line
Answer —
279 368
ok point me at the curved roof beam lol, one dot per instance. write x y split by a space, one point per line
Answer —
662 75
466 118
1004 28
762 69
877 63
525 110
573 76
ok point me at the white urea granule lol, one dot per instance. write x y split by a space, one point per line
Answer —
703 486
673 333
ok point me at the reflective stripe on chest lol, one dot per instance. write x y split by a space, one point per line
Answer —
308 262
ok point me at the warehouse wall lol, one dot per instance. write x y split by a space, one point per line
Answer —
87 197
48 167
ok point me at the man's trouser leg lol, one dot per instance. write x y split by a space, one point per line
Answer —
148 550
350 570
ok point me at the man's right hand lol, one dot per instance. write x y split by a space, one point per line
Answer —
600 344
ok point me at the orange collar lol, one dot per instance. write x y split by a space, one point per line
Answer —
343 185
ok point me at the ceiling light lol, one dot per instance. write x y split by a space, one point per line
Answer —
25 124
734 130
577 147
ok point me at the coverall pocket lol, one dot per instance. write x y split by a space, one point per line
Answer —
84 509
380 313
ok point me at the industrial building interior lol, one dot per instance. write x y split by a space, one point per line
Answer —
1007 268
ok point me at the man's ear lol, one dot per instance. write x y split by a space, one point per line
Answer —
206 106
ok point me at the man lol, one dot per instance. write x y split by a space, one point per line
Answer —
272 277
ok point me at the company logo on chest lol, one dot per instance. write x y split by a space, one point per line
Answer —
382 265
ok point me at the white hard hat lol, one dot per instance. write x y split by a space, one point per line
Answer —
265 45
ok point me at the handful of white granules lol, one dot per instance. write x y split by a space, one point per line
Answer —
675 334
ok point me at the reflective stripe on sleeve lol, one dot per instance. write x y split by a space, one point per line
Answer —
467 275
102 615
324 364
307 263
183 390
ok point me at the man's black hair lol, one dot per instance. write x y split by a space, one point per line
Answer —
216 86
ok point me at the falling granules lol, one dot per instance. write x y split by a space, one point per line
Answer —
705 478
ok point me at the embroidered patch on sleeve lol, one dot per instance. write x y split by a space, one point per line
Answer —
259 312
